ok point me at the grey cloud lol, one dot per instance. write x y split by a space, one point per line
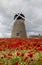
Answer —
32 9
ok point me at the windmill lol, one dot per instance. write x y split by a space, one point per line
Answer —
22 21
19 26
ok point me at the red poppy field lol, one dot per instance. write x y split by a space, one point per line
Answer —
20 51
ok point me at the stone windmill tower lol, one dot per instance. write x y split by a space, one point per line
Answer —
19 30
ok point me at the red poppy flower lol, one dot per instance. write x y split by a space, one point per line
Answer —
1 44
0 63
40 48
22 54
25 59
18 53
10 46
16 63
30 55
4 56
38 59
21 48
0 49
15 45
9 55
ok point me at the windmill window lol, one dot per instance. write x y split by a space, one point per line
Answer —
18 34
20 31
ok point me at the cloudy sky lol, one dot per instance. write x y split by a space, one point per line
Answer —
32 9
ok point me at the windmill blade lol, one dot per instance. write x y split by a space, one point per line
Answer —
17 17
22 10
11 11
22 16
19 11
25 18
